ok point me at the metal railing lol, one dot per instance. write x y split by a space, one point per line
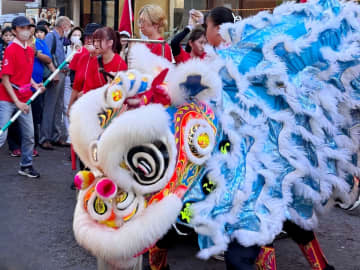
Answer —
138 40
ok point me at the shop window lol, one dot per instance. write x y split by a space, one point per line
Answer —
105 12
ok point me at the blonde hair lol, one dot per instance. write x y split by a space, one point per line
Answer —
155 14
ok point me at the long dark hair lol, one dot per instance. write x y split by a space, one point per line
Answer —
6 29
194 35
107 33
79 29
220 15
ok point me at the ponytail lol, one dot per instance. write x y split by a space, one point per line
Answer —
117 44
220 15
107 33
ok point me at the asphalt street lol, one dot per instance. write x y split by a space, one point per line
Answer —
36 225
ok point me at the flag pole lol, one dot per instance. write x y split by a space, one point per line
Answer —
131 18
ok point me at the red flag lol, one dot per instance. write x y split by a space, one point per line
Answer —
126 18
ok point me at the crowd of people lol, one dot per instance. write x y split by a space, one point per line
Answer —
30 52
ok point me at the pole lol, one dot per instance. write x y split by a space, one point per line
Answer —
131 18
139 40
37 93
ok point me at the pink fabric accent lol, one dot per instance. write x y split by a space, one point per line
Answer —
106 188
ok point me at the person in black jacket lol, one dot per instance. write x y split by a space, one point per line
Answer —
197 39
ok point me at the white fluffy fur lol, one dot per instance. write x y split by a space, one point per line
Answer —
209 78
119 246
84 127
141 59
132 128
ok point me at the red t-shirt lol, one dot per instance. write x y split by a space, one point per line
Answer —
87 75
76 58
156 48
18 63
184 56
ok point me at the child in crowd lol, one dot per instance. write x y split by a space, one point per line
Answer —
7 37
40 32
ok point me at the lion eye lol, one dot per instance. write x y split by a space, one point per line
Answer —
124 199
148 162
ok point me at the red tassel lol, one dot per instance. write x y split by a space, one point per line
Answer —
73 159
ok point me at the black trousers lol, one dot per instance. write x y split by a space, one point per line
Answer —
238 257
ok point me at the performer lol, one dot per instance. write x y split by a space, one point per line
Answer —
15 90
152 23
95 71
249 146
197 39
238 257
214 20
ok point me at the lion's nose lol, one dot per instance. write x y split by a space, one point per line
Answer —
106 189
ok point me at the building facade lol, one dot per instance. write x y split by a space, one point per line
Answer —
108 12
12 6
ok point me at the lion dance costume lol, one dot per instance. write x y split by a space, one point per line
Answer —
260 135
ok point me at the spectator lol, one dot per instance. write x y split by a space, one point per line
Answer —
13 131
76 38
124 44
14 91
44 23
89 77
7 37
52 125
87 49
42 56
152 23
40 32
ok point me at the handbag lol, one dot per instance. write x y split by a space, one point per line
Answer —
47 72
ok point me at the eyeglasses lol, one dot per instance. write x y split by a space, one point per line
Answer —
144 21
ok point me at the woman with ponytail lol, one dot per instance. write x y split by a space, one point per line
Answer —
97 70
214 20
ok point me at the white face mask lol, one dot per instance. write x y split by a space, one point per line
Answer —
67 32
75 40
24 35
90 48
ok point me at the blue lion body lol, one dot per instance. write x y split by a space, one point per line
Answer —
289 126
